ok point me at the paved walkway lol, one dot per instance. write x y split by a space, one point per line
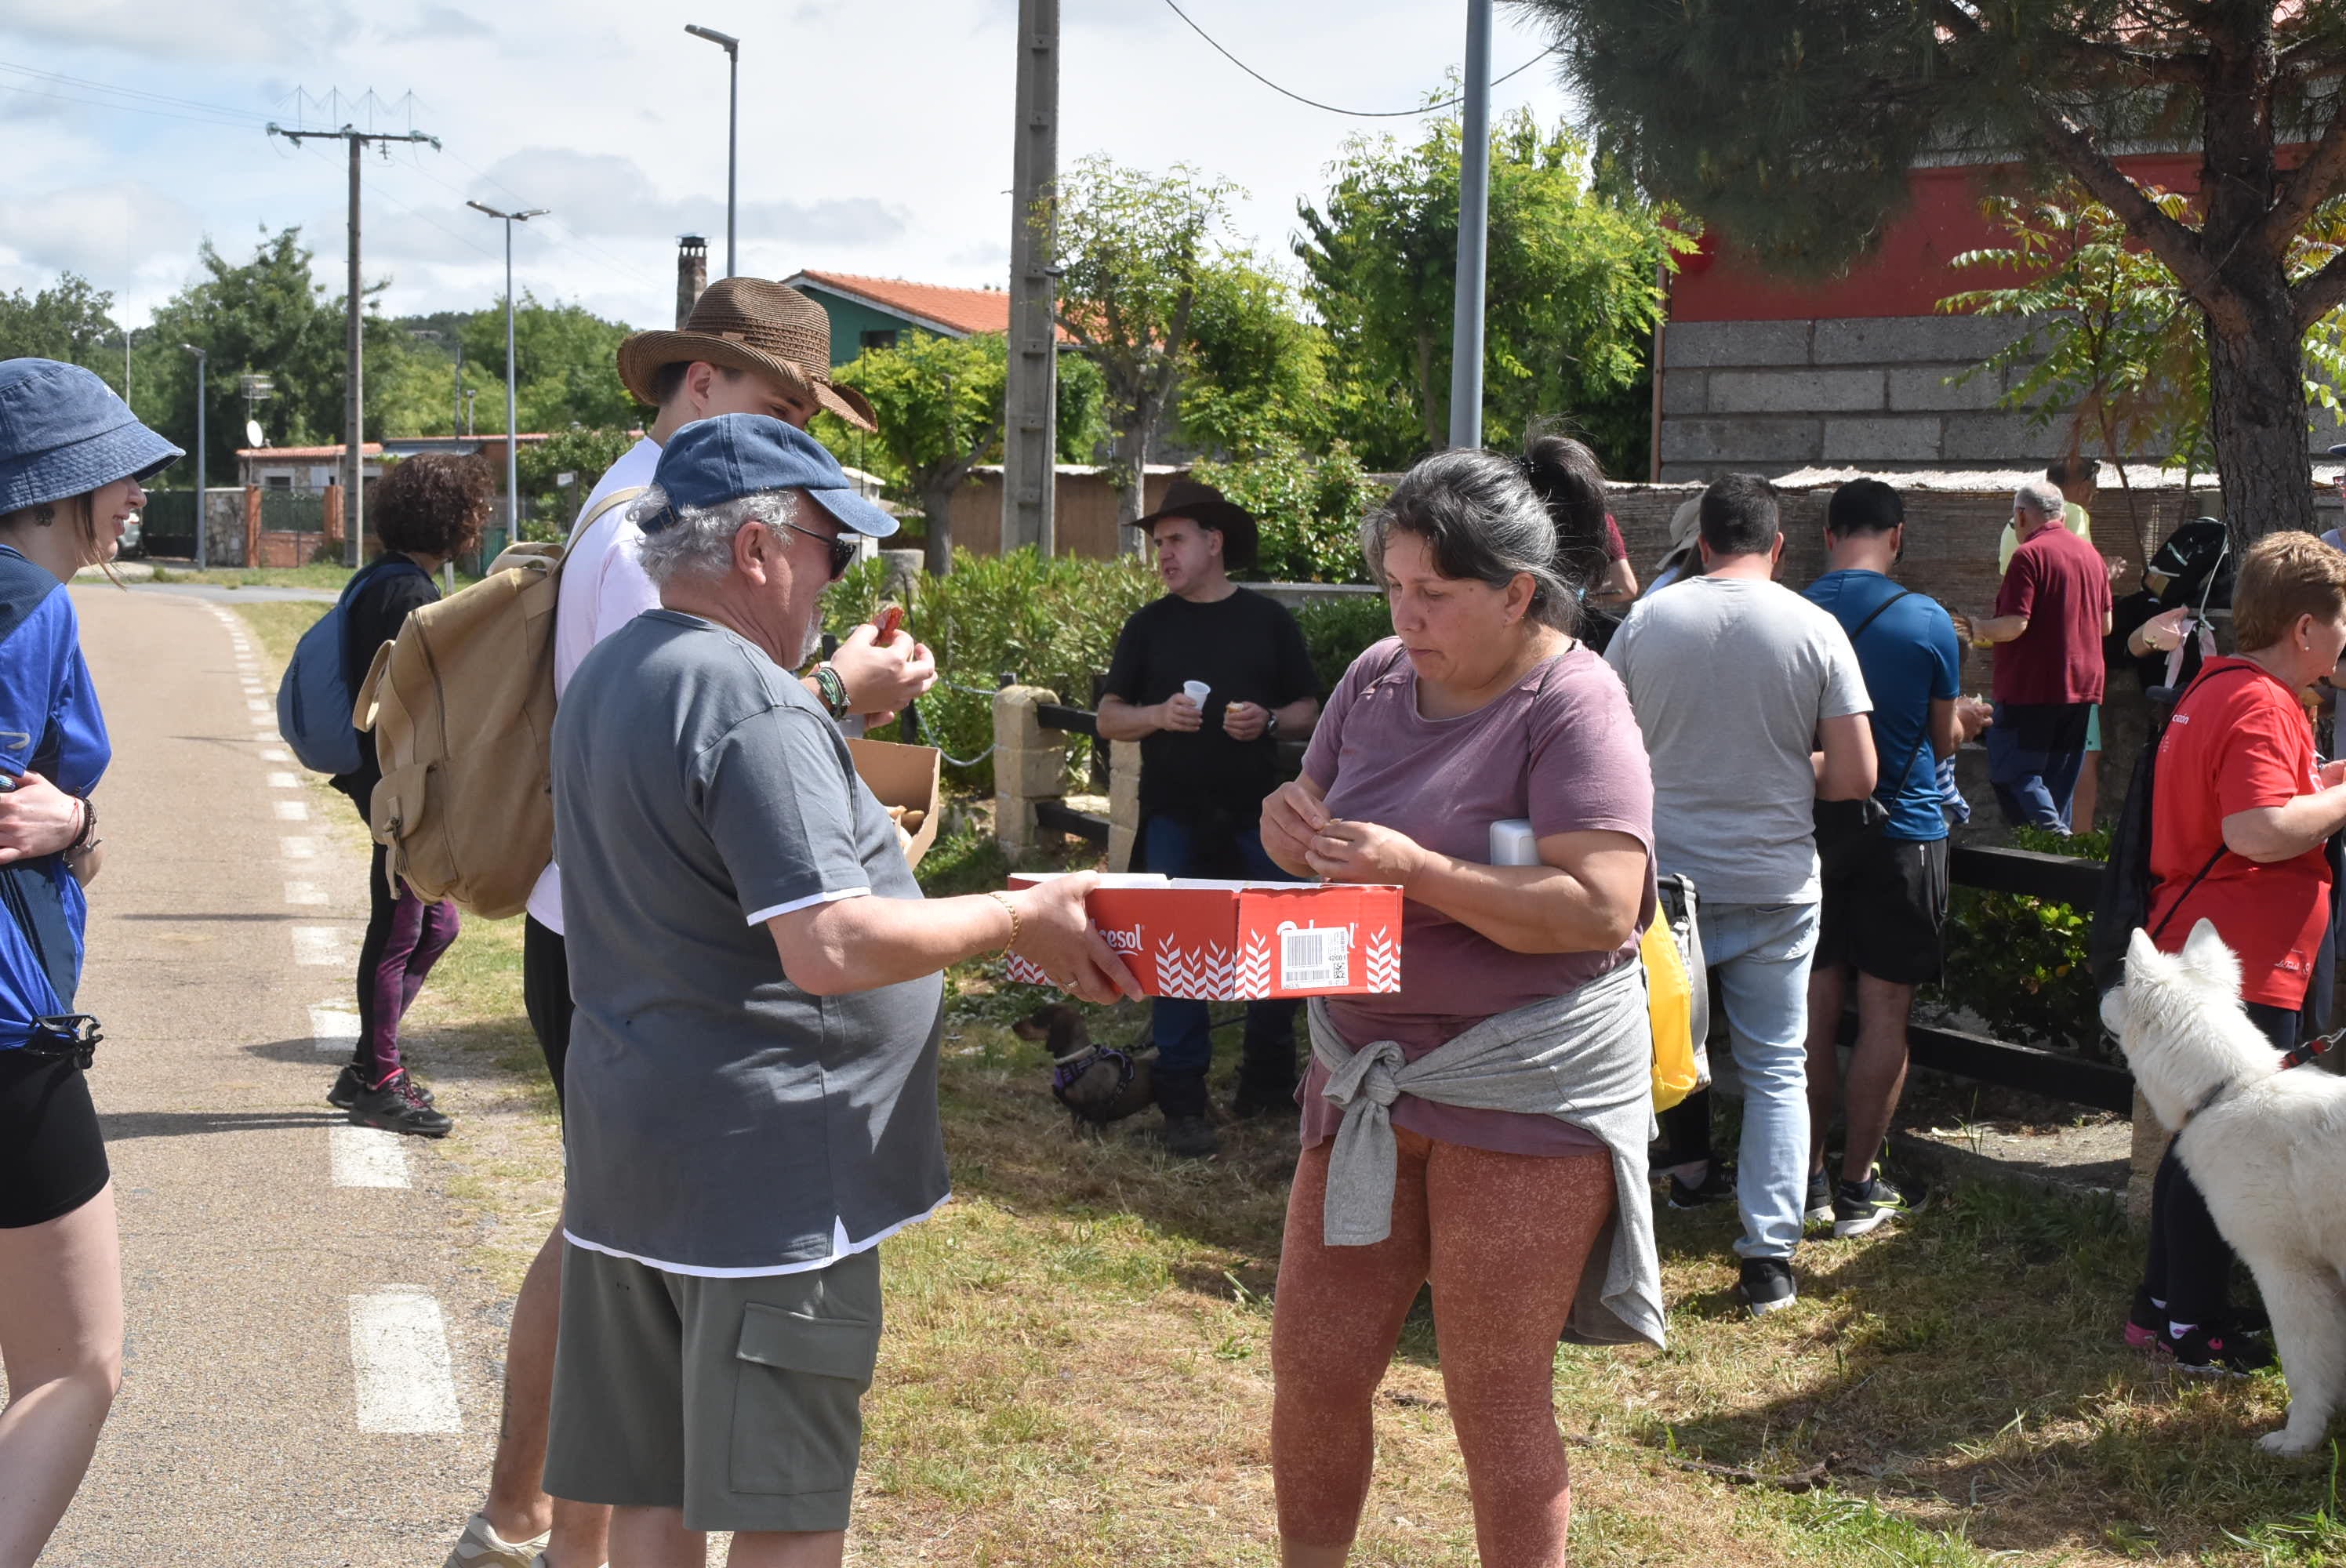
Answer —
311 1376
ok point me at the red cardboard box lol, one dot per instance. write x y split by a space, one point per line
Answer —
1233 941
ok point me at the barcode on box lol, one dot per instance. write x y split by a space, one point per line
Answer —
1315 959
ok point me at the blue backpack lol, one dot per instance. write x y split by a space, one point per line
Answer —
315 698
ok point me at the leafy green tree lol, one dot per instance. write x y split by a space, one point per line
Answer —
583 455
1309 506
940 406
1132 248
1792 124
1572 298
69 321
568 358
1257 368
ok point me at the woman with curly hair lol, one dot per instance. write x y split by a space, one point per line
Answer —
428 509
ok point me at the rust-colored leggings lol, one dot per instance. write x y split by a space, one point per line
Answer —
1503 1238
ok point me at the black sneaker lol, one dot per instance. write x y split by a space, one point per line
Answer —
398 1105
1858 1206
1252 1101
349 1086
1191 1138
1767 1285
2213 1353
1717 1186
1818 1209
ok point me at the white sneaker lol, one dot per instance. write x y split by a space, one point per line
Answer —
541 1561
481 1547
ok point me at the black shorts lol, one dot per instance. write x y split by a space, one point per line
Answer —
52 1159
545 994
1886 914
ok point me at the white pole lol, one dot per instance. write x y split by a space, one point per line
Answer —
513 430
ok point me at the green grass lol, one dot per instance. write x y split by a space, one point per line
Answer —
318 575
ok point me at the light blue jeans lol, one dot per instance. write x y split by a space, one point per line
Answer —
1760 955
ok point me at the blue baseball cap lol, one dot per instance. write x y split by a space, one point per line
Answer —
62 433
712 461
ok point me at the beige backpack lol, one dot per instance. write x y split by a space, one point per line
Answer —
462 706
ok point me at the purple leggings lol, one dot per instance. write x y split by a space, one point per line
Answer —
404 938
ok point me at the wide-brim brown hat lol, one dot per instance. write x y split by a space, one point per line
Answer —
750 324
1208 508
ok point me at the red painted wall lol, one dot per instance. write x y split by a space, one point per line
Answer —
1907 277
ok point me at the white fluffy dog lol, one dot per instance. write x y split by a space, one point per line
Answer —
2267 1148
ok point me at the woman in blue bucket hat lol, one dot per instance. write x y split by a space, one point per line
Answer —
71 459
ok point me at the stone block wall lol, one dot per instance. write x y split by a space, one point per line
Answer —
1770 397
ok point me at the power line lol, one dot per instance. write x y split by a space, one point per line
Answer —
123 100
1332 109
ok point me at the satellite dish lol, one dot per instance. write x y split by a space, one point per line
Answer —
252 436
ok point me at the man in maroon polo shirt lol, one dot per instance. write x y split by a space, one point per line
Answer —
2050 617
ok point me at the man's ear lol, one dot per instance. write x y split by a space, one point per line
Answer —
754 546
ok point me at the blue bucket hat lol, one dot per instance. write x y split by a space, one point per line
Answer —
62 433
712 461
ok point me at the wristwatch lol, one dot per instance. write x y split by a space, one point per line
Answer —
1271 724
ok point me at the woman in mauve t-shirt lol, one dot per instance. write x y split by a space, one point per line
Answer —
1482 707
2239 829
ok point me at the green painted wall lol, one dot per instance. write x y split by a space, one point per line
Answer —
849 319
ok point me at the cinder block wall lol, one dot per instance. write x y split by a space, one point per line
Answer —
1774 396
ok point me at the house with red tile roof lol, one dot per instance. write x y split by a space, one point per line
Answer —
874 312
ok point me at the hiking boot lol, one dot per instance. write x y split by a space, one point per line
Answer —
1717 1186
1254 1100
1190 1138
481 1547
1858 1206
1767 1285
2213 1353
397 1105
349 1085
1819 1207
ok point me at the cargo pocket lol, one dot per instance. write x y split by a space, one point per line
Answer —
798 1416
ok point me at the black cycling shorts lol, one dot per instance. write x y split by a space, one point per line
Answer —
1886 914
52 1158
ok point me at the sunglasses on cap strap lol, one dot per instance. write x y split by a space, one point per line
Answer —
843 547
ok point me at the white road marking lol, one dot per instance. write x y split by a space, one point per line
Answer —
285 781
399 1348
308 893
332 1025
291 810
367 1156
263 721
298 848
254 704
275 754
323 947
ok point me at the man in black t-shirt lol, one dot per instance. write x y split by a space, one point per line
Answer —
1209 679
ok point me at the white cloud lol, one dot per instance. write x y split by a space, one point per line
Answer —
179 29
95 230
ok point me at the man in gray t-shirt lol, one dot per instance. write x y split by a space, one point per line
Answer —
1753 709
752 1084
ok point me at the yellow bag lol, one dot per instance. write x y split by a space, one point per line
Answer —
1669 1004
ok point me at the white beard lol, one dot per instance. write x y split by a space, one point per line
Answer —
814 641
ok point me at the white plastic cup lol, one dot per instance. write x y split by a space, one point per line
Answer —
1196 692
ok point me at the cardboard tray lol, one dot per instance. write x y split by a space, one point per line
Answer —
1221 942
903 776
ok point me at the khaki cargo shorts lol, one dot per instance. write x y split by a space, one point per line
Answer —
738 1401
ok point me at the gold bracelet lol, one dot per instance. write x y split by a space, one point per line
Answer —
1003 899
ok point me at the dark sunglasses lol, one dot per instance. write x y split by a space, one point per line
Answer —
843 548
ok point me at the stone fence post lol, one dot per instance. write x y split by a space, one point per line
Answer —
1030 765
1123 801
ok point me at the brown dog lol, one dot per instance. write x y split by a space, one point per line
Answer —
1098 1083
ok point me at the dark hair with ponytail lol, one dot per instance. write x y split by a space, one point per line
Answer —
1570 483
1482 519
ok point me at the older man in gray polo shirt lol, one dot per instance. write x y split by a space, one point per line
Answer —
751 1082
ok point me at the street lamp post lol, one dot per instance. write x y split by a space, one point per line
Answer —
732 47
513 436
203 553
1474 233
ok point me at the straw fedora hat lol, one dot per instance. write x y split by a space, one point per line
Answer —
749 325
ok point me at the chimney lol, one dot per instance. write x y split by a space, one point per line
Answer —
691 275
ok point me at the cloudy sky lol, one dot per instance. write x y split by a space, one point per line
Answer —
875 133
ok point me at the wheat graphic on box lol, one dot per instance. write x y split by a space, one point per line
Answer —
1198 973
1384 961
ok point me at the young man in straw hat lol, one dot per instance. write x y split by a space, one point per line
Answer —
750 346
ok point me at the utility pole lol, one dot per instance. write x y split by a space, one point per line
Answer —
1474 234
513 430
732 47
354 334
203 556
1031 435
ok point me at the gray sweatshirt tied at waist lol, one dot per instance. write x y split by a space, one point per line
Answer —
1585 1058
